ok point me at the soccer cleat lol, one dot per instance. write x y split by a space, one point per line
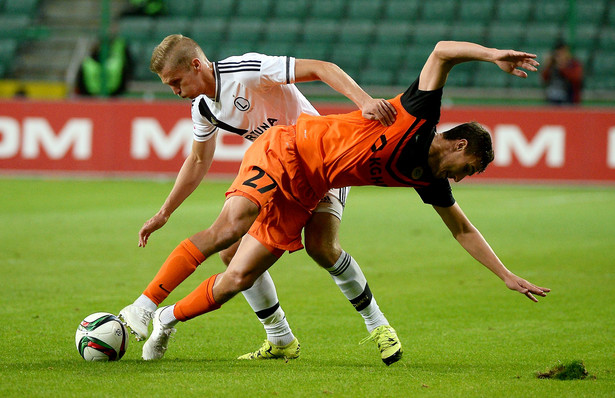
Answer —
388 343
137 320
272 351
156 345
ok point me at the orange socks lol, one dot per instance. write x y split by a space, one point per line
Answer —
180 264
198 302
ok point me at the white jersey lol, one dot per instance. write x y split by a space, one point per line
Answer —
253 93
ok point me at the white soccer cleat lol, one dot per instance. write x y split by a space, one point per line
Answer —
137 319
156 345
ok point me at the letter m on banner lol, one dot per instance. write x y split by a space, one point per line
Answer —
510 141
147 134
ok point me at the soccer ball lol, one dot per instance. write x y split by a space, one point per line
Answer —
101 337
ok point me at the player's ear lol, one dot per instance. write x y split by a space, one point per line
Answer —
461 145
196 64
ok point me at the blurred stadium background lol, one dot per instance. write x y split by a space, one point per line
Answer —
47 127
381 43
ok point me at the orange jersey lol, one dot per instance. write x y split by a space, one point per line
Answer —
289 168
349 150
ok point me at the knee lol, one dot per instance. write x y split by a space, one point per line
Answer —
239 281
225 257
324 251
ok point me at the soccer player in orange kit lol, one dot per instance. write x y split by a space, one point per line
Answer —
283 178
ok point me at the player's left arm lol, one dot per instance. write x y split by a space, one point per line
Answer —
307 70
474 243
447 54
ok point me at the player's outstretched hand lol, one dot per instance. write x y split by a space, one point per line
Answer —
150 226
510 61
379 109
525 287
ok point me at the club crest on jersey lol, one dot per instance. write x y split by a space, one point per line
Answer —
242 104
417 173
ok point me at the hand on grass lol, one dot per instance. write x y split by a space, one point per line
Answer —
525 287
150 226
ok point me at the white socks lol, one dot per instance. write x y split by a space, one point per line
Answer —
145 302
263 299
350 279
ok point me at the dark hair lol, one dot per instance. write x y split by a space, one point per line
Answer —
479 141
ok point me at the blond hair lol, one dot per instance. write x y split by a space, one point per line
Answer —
175 51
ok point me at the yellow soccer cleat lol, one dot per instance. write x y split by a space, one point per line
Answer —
388 343
272 351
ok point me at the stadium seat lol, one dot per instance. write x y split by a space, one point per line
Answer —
20 7
592 11
603 62
211 30
328 9
406 76
136 28
275 48
386 56
235 48
513 11
356 32
429 33
165 26
442 11
376 77
463 31
350 57
182 8
364 10
294 9
283 30
487 75
462 75
246 30
216 8
505 35
414 57
8 48
610 16
476 11
584 36
551 11
253 9
392 32
402 10
319 31
13 26
320 51
606 39
539 35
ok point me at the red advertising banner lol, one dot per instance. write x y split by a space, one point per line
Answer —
118 137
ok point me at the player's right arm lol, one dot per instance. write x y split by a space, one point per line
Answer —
447 54
307 70
190 175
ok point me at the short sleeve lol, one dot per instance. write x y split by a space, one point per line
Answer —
277 70
202 129
439 193
422 104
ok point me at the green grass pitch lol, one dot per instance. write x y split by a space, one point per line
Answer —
69 248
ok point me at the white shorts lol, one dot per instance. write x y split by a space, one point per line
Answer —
333 202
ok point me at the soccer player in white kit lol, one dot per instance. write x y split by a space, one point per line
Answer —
246 95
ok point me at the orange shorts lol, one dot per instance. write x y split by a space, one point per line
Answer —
271 176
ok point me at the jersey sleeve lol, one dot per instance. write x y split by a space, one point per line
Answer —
438 193
202 129
276 70
422 104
